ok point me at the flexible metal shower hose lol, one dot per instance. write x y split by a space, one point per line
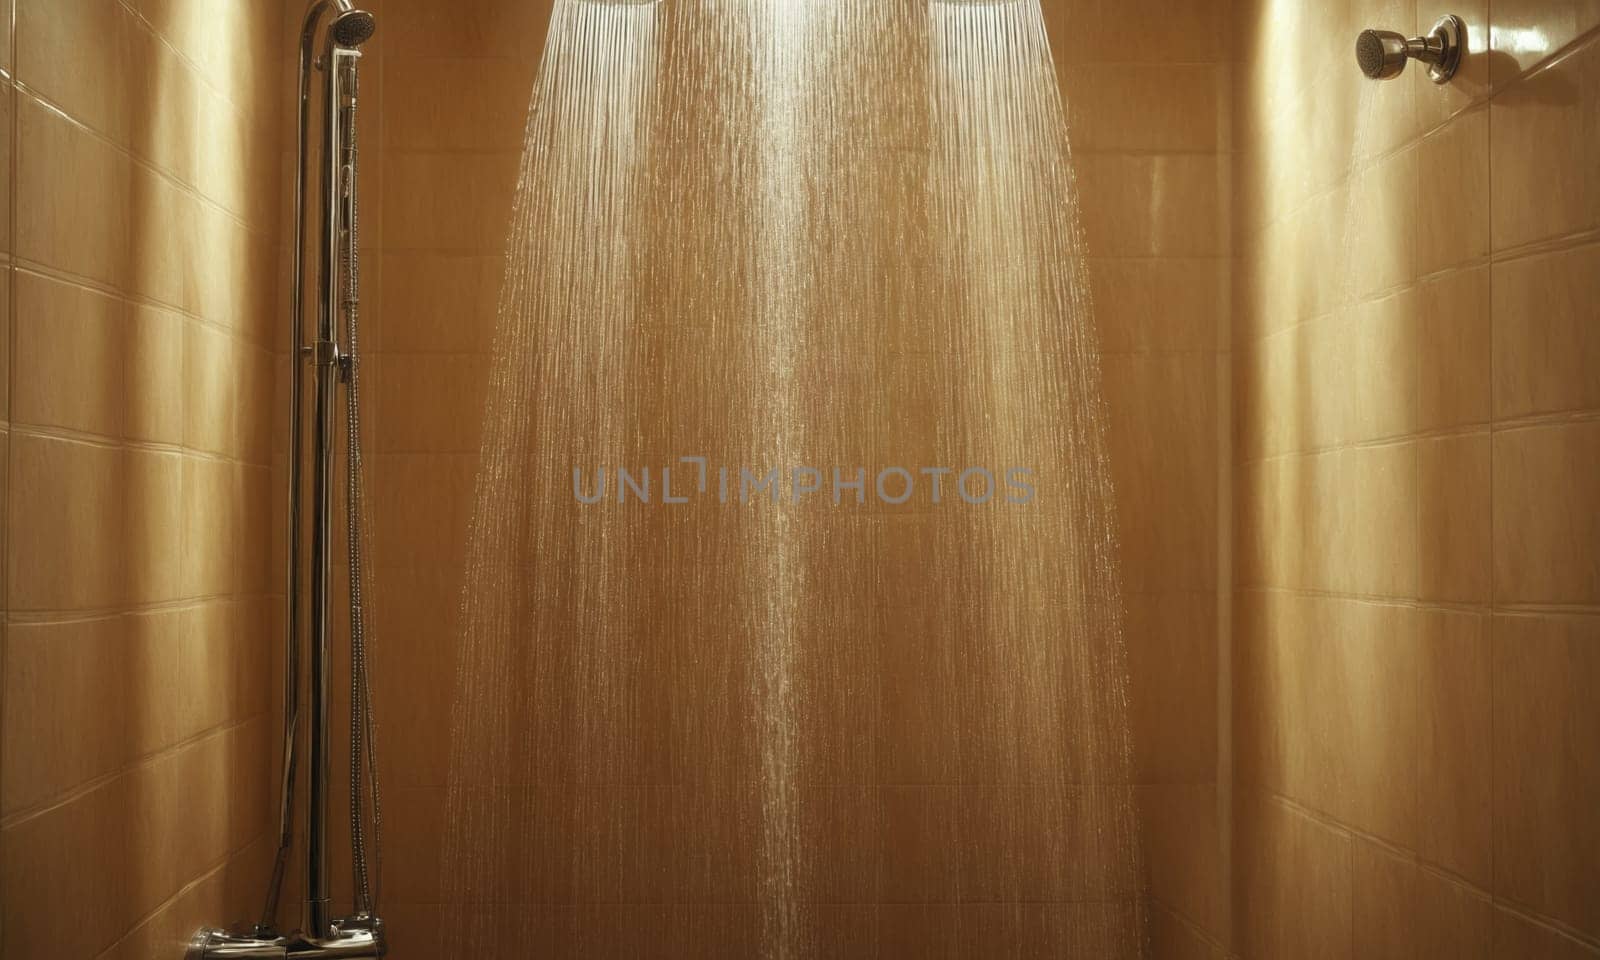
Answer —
363 738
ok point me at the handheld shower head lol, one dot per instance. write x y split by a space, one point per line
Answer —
353 28
1382 54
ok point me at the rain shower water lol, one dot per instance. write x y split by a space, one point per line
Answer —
770 232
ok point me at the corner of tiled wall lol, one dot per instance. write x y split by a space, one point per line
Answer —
1152 141
1418 641
140 223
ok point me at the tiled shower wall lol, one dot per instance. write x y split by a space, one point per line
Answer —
138 225
1418 403
445 90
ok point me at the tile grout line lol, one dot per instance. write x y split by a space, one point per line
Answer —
135 160
1330 823
1493 566
110 291
28 814
11 352
213 871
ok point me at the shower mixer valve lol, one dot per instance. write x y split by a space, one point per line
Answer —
1382 54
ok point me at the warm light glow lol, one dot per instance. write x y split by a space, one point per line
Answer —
1519 41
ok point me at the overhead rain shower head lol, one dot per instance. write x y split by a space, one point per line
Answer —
353 28
1382 54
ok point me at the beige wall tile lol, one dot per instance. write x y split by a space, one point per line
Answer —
1369 718
151 676
76 54
164 259
1546 345
1548 192
1172 670
211 402
1365 536
917 844
1547 514
456 103
1364 371
473 28
1147 205
434 493
231 163
1172 938
153 376
1325 711
233 290
1379 227
1288 866
1273 498
1454 743
167 100
1183 844
430 403
6 327
7 10
1092 32
47 858
43 864
48 665
8 152
1453 194
1274 401
72 197
1452 920
1145 107
417 622
69 349
1454 350
239 67
1261 696
1385 902
456 203
1527 939
1159 306
1527 32
1163 436
440 303
67 514
154 506
1455 519
1546 778
235 881
211 548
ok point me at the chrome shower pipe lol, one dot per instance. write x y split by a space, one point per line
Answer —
341 29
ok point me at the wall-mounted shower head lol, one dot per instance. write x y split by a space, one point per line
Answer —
353 28
1382 54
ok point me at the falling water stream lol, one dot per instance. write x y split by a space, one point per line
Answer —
826 238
